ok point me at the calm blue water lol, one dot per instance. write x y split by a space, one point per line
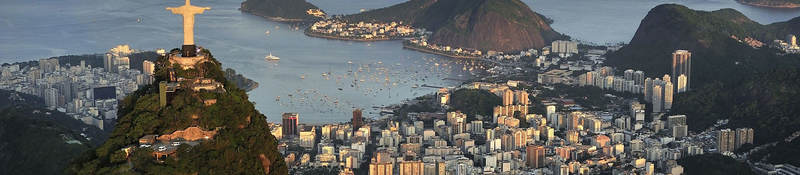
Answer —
239 41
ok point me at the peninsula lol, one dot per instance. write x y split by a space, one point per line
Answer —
283 10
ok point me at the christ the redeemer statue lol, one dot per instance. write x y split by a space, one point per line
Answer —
188 11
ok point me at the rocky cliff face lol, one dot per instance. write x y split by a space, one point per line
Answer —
499 25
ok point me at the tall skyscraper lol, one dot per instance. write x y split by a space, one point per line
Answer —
682 65
358 120
108 62
148 67
508 97
725 140
681 84
551 112
628 74
657 98
380 168
590 78
51 98
648 90
743 136
668 89
522 97
290 121
535 156
638 77
411 168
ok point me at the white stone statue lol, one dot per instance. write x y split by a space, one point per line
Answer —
188 11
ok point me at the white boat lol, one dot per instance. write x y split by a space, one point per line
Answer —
270 57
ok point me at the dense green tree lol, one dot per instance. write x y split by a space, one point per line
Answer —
714 164
474 102
242 132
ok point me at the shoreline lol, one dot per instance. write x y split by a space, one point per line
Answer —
423 50
307 32
767 5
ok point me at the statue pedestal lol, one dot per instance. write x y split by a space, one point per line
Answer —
187 62
188 50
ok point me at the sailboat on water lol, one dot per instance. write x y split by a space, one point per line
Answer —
271 57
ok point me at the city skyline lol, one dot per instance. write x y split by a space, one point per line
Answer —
409 88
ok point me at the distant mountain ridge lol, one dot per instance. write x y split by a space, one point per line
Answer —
772 3
707 35
499 25
730 79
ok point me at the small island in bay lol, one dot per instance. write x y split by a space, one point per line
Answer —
772 3
283 10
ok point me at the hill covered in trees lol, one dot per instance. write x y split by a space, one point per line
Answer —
474 102
714 164
767 102
280 10
752 86
242 143
499 25
708 35
34 140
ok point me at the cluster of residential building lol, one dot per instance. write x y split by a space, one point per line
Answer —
362 30
89 94
789 45
563 48
421 43
558 49
513 140
658 91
